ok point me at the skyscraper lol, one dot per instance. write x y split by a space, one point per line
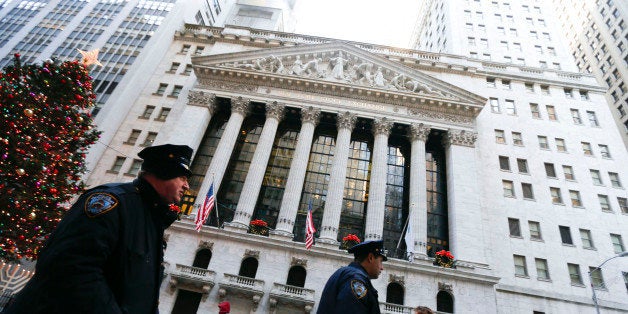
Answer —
597 35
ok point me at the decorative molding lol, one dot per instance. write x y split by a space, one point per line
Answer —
382 126
240 105
202 99
460 137
310 115
439 116
298 262
419 132
251 253
205 245
445 287
346 120
397 278
213 84
275 110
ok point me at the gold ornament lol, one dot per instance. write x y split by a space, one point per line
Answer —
21 171
28 112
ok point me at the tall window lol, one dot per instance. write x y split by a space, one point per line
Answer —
551 113
239 164
605 205
163 114
150 138
604 152
586 148
135 167
504 163
515 229
535 230
248 268
296 276
396 210
115 168
356 185
522 165
585 237
614 177
509 190
542 271
543 144
527 191
575 198
574 274
521 268
618 244
517 139
592 118
565 235
494 102
509 106
161 89
556 195
437 213
623 204
568 171
133 137
575 116
444 302
499 137
394 293
549 170
560 145
595 176
534 109
597 281
202 258
148 111
274 182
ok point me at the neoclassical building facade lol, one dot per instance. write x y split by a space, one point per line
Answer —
383 143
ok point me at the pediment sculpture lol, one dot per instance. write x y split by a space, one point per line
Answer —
340 67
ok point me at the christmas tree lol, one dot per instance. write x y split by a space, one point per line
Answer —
45 130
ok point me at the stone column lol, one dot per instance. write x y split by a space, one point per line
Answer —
336 189
197 114
257 168
418 191
377 187
298 166
463 197
220 161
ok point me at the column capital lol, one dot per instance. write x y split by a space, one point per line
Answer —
382 126
202 99
346 120
240 105
460 137
275 110
310 115
419 131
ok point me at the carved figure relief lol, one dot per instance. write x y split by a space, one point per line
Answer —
340 67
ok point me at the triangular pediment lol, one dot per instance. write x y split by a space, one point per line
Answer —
335 64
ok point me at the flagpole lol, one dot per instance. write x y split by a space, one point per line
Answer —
402 231
216 201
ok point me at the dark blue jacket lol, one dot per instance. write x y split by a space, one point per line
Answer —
349 291
107 263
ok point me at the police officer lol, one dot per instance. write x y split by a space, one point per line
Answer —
105 255
349 289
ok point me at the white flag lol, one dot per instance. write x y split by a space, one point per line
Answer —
409 238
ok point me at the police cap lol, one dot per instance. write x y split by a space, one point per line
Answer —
167 161
375 247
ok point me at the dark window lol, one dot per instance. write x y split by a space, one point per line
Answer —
437 213
397 197
187 302
248 268
296 276
565 235
394 293
202 258
444 302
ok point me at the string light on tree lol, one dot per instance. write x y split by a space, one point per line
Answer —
45 130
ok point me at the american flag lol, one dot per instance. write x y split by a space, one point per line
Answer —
206 208
309 228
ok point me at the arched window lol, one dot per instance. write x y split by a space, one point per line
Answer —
202 258
248 268
186 302
296 276
394 293
444 302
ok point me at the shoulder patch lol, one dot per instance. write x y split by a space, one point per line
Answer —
99 203
358 288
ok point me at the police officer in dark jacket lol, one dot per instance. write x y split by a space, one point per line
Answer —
106 253
349 289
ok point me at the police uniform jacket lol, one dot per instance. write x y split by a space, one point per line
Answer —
349 290
104 257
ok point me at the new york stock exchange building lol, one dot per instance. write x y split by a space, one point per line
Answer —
381 142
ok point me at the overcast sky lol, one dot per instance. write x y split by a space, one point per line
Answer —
370 21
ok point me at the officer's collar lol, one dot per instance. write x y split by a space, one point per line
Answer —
148 193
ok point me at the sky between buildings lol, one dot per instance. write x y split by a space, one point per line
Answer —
371 21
